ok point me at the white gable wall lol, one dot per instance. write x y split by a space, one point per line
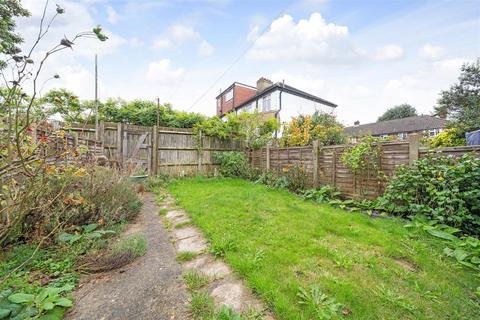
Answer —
292 106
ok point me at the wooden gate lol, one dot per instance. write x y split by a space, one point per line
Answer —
136 149
154 150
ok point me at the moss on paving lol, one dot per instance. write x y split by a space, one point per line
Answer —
375 267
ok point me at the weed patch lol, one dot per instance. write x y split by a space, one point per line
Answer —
183 224
186 256
194 280
202 306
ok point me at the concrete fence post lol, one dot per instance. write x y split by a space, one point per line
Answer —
413 147
101 136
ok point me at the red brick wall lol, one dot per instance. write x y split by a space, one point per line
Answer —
226 105
240 95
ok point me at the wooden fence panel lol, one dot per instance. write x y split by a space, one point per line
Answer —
171 151
332 171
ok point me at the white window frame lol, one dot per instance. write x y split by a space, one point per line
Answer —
402 135
266 103
228 95
433 132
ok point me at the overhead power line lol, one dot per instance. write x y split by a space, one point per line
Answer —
236 60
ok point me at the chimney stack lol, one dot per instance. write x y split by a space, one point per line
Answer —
263 83
356 123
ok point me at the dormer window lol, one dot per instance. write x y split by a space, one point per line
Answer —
229 95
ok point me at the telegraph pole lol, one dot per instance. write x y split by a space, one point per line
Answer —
97 134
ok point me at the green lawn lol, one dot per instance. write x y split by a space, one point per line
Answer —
374 267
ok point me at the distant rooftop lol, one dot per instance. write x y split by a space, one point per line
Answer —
409 124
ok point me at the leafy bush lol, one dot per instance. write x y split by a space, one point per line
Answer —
303 130
135 244
234 164
444 189
323 194
465 250
252 129
293 178
67 195
48 302
447 138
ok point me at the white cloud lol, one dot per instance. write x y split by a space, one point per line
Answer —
432 52
389 52
177 35
135 42
205 49
163 43
112 15
311 39
162 72
77 18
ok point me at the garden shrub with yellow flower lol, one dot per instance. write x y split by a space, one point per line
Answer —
447 138
305 129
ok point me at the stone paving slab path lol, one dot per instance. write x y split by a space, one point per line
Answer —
151 287
224 287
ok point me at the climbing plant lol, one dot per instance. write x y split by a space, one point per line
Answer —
363 159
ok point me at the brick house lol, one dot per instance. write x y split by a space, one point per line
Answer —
399 129
277 100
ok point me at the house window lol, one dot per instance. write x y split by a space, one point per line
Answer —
432 132
402 136
266 103
249 107
229 95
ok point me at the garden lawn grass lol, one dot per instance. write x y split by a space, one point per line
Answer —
375 267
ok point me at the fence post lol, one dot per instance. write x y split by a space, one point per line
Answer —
413 146
315 163
268 156
101 136
199 152
334 167
154 165
75 139
120 143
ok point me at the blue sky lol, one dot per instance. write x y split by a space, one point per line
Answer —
365 56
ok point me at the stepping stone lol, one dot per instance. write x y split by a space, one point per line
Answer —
180 219
174 214
229 294
209 267
194 244
185 233
215 269
198 262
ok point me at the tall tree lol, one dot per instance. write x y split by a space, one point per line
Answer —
401 111
462 101
9 9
